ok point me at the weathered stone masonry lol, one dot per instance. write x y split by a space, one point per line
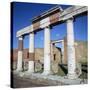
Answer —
46 20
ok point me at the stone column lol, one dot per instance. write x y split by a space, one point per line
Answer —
20 54
71 50
31 53
46 51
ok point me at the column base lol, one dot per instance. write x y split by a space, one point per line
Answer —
21 74
46 73
17 71
72 76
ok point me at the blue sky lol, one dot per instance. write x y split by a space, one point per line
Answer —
24 12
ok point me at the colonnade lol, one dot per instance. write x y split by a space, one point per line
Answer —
47 57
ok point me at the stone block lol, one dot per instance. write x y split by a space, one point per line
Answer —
38 66
54 67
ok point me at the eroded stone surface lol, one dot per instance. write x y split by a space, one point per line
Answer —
54 67
38 66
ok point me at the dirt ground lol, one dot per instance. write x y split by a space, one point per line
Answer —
20 82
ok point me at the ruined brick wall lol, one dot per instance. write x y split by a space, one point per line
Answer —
39 54
14 54
80 50
56 54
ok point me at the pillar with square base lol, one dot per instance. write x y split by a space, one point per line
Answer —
20 54
46 51
71 50
31 53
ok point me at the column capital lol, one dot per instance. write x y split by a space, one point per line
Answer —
48 26
32 32
20 37
71 19
53 44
